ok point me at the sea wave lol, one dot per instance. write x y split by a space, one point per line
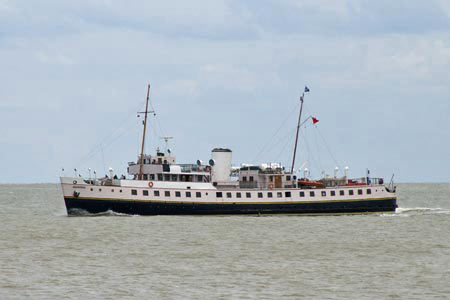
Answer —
77 212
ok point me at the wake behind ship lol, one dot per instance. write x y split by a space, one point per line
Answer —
158 185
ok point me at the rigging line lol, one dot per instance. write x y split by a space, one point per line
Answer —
283 149
311 157
98 145
318 151
263 149
325 142
328 149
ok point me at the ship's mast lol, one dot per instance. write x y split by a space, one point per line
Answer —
298 129
141 161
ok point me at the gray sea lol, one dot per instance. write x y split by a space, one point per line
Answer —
44 254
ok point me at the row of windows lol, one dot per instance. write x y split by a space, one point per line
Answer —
249 194
174 177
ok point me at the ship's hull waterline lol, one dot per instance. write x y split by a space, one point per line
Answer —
74 205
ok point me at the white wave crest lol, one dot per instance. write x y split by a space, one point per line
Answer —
77 212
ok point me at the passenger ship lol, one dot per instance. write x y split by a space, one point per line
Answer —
161 186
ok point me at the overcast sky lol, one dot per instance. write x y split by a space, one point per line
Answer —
226 73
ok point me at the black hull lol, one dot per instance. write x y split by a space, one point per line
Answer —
94 206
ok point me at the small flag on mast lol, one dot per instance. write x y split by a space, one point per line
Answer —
315 120
306 89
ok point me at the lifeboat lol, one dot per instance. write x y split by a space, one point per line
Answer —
310 183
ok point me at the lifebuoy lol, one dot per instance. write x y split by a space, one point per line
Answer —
150 184
270 186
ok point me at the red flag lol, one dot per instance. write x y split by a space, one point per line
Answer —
315 120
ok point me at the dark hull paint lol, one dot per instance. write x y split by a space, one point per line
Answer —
94 206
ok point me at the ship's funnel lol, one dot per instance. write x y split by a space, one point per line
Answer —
221 168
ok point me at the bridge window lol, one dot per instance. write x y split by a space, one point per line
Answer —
312 194
167 193
287 194
350 192
134 192
145 192
369 191
156 193
238 195
188 194
269 195
228 195
302 194
219 194
260 195
360 192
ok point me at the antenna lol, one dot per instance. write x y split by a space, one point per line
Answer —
166 140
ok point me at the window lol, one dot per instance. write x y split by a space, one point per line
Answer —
99 190
120 191
166 177
269 195
238 195
133 192
177 194
145 177
174 177
369 191
287 194
251 178
324 193
167 193
341 193
359 192
350 192
156 193
288 178
333 193
260 195
302 194
145 192
244 178
248 195
92 189
219 194
312 194
200 178
228 195
188 194
271 178
152 176
198 194
160 177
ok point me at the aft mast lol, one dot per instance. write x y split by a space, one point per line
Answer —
141 160
298 127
